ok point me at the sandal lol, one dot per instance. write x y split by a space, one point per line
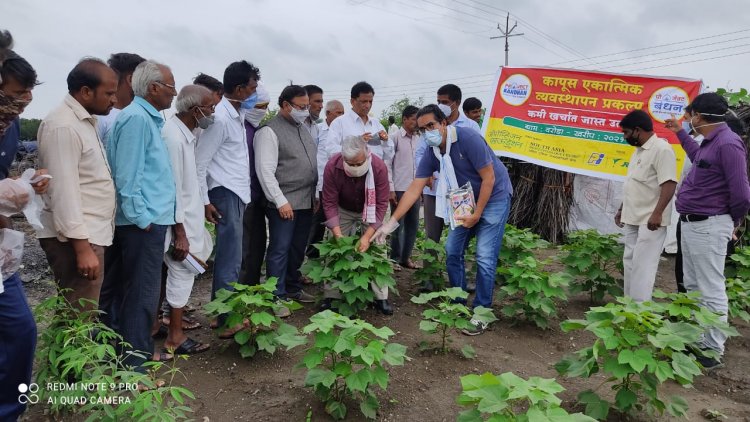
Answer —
188 322
189 347
142 388
163 356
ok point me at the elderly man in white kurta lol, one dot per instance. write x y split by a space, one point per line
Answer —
194 109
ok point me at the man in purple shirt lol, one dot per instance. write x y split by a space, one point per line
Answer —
345 203
713 199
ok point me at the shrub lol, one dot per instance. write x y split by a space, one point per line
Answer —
532 291
446 315
346 361
74 348
738 286
255 306
432 256
591 257
351 272
639 346
518 244
509 398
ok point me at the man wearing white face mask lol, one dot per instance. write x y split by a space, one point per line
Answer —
355 200
254 222
462 156
224 173
285 161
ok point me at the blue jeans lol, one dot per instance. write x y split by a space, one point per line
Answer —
489 232
228 258
286 249
17 345
132 283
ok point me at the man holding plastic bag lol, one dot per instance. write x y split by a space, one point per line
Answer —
473 197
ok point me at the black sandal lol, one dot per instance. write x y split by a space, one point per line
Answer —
189 347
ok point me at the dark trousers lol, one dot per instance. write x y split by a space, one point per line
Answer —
286 249
433 225
132 283
17 345
317 232
253 241
63 261
403 238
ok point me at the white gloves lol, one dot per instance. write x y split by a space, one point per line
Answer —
384 230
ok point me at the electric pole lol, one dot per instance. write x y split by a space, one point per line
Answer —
506 34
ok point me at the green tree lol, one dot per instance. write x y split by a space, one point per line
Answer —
397 107
29 128
272 112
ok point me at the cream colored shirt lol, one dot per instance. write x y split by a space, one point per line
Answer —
650 166
80 201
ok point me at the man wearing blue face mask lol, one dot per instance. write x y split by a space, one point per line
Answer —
462 156
224 174
285 161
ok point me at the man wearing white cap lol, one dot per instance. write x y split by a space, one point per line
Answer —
254 222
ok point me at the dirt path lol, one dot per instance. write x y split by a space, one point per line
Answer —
269 388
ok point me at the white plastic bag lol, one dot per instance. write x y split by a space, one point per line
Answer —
11 252
33 209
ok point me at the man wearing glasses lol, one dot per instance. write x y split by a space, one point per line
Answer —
146 198
463 157
223 166
285 161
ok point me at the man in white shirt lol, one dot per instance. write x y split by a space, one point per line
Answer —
357 122
286 167
224 173
334 109
195 107
124 65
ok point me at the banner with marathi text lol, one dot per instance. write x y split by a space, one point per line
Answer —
569 119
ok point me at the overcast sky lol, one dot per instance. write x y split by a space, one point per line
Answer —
401 47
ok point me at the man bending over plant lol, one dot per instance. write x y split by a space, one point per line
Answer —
462 157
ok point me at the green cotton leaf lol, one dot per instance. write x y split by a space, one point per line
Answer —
492 398
631 337
325 340
247 351
343 369
262 318
336 409
428 326
471 415
383 332
242 337
369 407
677 406
358 381
625 399
663 371
474 382
395 354
573 325
637 360
484 314
617 369
265 342
313 358
468 351
595 406
380 376
320 376
685 366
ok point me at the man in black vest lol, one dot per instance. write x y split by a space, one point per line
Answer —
285 161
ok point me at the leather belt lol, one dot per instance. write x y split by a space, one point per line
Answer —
692 218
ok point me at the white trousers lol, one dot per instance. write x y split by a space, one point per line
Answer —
704 250
351 224
180 280
641 260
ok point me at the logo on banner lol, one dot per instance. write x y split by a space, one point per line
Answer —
667 102
596 158
516 89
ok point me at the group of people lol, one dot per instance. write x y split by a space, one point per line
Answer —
123 224
712 199
124 215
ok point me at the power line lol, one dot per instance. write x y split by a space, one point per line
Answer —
673 57
422 21
692 61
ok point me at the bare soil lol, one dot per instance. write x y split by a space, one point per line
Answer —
269 388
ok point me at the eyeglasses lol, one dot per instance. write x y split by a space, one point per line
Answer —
429 126
167 85
211 107
299 107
